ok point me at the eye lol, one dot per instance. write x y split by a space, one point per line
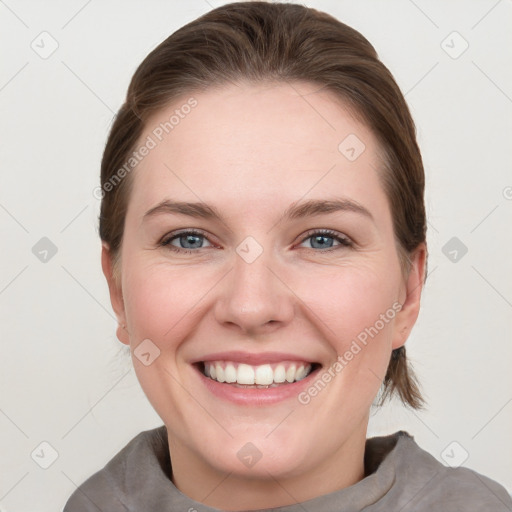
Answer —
322 239
189 241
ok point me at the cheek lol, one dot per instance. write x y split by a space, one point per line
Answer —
355 311
162 305
349 300
160 300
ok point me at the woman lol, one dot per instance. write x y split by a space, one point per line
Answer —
264 243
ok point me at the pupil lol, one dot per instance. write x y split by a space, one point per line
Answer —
322 237
190 239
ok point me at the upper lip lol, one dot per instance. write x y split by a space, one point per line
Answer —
253 358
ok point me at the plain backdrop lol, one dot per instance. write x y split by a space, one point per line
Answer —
65 381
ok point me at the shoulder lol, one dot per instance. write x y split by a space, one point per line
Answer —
427 483
476 492
110 487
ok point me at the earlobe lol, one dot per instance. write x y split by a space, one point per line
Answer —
406 318
116 295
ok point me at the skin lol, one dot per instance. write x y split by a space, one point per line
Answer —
251 151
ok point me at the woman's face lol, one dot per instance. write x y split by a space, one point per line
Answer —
291 268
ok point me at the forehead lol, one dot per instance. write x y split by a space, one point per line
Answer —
250 143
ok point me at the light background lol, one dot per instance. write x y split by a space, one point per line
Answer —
63 379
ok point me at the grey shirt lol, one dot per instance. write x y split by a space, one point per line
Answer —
399 477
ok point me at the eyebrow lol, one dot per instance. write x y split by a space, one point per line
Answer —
297 210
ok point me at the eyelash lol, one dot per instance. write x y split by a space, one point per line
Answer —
344 241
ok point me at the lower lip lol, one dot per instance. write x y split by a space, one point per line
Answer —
256 396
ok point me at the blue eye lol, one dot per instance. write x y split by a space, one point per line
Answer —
188 240
192 240
321 240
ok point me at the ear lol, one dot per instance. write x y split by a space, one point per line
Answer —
410 297
116 294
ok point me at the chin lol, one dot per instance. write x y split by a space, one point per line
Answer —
255 453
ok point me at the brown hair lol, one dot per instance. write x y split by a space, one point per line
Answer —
260 41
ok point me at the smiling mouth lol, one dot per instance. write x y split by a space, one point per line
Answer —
257 376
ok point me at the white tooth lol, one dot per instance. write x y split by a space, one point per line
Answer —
220 373
279 374
230 373
264 375
245 374
290 373
300 373
212 370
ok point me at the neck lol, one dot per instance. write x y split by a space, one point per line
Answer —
228 491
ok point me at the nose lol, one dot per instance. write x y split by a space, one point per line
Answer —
254 297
